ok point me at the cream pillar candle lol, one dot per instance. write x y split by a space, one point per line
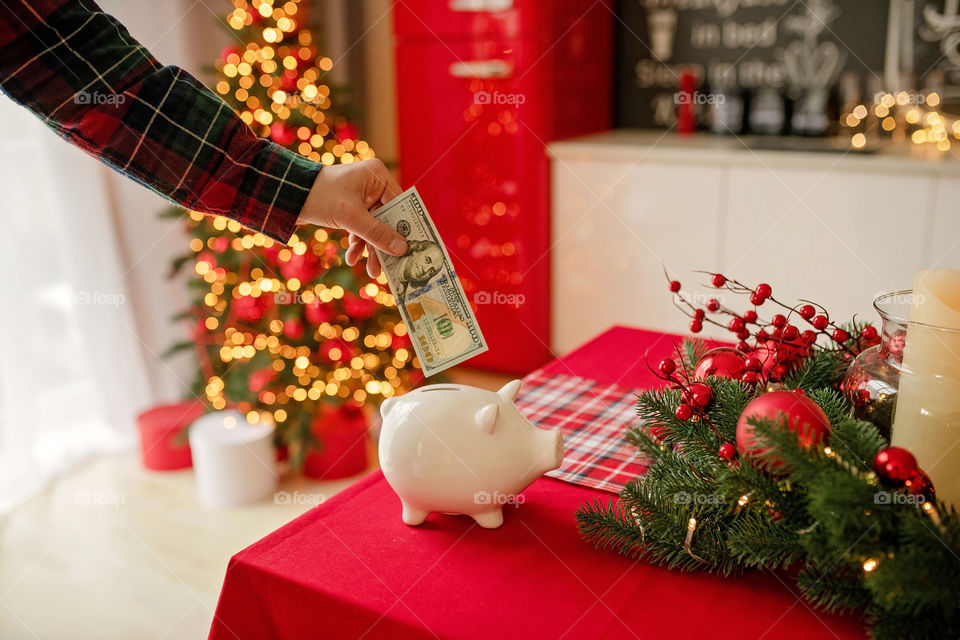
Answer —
234 460
927 419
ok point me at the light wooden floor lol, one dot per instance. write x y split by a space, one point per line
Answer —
114 551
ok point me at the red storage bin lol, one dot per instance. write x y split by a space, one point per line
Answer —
481 93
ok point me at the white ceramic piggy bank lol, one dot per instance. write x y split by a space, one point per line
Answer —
462 450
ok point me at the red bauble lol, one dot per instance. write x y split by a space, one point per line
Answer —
718 280
289 81
683 412
727 451
282 134
763 290
698 394
359 308
919 484
258 380
736 324
722 362
293 328
820 322
228 50
319 312
250 309
674 286
713 304
807 311
895 465
803 415
696 326
304 268
346 131
750 316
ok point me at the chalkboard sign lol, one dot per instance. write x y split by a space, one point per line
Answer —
741 45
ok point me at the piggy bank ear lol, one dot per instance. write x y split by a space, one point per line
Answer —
487 417
386 406
509 391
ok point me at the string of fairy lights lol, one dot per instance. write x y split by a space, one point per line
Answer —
903 115
277 87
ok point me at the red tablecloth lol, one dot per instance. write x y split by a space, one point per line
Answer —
351 569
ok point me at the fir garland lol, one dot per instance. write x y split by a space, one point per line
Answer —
859 546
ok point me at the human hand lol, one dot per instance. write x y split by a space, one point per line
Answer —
342 197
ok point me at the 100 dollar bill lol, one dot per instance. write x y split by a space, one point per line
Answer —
429 295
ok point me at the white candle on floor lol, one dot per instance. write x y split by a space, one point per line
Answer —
234 460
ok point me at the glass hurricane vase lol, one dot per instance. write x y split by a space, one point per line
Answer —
873 378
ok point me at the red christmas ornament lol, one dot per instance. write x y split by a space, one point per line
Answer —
318 312
359 308
674 286
696 326
722 362
790 333
699 314
727 451
895 465
820 322
736 324
757 300
779 321
808 337
293 328
228 50
282 134
763 290
698 394
807 311
304 268
868 333
259 380
803 416
683 412
919 484
713 304
346 131
749 377
750 316
718 280
250 309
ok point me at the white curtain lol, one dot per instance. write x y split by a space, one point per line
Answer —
72 375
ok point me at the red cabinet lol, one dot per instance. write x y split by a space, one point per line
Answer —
483 86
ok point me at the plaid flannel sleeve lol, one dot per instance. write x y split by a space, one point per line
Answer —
82 73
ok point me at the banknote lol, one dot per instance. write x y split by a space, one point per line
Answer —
441 324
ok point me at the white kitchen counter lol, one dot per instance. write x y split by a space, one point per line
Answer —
837 227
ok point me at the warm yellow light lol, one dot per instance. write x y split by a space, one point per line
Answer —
302 362
869 565
933 99
888 124
858 140
860 111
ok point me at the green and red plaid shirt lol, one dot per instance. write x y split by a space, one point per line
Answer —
82 73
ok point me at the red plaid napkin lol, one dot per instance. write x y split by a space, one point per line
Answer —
593 418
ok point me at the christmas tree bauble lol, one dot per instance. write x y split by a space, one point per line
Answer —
723 362
919 484
803 416
895 465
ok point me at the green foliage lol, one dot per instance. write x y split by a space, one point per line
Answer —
859 545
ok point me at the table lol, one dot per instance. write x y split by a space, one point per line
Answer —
350 568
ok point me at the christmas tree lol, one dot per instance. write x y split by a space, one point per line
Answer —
283 329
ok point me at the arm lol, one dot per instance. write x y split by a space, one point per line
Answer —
82 73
